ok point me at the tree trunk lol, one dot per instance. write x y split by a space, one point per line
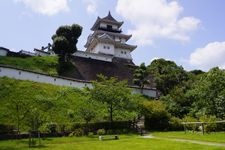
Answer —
142 89
18 120
111 115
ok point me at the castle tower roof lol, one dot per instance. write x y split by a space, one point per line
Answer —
107 19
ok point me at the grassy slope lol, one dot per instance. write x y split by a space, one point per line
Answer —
212 137
45 64
124 143
11 89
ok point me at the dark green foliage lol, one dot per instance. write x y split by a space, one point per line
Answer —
101 132
65 40
140 76
64 43
166 74
156 115
175 124
6 129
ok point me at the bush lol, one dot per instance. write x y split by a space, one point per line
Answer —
156 116
109 132
77 132
6 129
101 131
175 124
192 127
210 123
93 127
90 134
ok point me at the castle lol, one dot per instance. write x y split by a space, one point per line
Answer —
107 41
107 52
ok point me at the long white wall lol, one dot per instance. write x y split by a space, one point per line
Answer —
3 52
43 78
93 56
32 76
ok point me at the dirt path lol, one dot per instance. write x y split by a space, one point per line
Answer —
186 140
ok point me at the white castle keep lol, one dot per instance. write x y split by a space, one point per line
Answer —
107 41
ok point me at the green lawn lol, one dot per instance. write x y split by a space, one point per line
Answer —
211 137
46 64
127 142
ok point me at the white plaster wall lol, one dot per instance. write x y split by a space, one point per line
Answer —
103 25
115 27
118 53
148 92
3 52
37 53
117 39
36 77
25 75
123 40
100 49
92 56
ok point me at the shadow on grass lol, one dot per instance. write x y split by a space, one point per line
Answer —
21 148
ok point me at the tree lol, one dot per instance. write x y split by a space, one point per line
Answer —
141 76
113 93
166 74
64 42
208 94
156 115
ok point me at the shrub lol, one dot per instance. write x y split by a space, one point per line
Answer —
90 134
175 124
77 132
52 127
156 116
6 129
109 132
192 127
101 131
93 127
210 123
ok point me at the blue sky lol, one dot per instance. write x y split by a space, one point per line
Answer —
189 32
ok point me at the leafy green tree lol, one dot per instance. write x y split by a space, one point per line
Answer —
64 42
208 94
166 74
141 76
111 92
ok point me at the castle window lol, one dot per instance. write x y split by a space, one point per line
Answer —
108 47
125 52
104 47
109 27
121 52
19 72
55 79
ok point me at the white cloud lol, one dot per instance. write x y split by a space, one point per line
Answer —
46 7
154 19
211 55
91 6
